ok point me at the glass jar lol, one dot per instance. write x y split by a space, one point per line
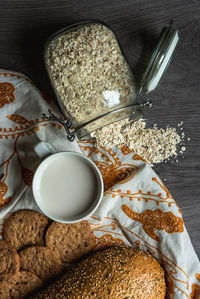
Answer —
92 79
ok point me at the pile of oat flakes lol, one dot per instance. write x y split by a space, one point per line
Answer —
153 144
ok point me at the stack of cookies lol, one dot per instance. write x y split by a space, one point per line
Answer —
34 249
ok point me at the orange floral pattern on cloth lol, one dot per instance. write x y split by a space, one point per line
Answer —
112 169
24 127
108 240
125 151
18 119
148 196
156 219
27 175
3 190
113 174
6 93
195 291
196 288
138 157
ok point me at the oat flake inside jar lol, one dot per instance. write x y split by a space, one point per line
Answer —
92 79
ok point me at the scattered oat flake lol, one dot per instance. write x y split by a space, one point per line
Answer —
153 144
183 148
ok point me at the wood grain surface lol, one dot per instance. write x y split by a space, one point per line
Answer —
25 25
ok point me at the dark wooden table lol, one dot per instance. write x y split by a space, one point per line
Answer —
25 25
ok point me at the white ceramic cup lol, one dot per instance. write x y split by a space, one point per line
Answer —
67 186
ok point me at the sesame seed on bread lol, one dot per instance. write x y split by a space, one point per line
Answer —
115 272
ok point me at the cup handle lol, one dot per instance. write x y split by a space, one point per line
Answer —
44 149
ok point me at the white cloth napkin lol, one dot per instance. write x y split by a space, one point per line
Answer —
137 209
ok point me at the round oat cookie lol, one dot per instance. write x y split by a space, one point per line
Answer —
41 261
19 285
9 260
25 227
70 241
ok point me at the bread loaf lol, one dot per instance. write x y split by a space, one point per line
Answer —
116 272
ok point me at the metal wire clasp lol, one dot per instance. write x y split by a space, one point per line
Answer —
147 104
66 123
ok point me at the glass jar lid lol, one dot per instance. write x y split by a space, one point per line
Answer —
160 59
